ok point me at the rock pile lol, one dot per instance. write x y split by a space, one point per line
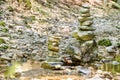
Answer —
53 60
85 35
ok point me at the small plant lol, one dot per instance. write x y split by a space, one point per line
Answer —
104 42
2 41
2 23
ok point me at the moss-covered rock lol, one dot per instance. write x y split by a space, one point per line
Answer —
2 23
46 65
2 41
3 47
4 30
104 42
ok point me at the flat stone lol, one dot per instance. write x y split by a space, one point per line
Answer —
86 6
86 28
82 19
51 65
86 15
3 57
84 10
86 35
87 23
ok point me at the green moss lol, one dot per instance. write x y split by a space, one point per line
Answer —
2 41
117 58
11 70
104 42
4 30
10 8
46 65
4 47
2 23
28 4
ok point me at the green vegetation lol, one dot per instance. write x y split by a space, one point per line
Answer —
4 47
28 4
2 41
117 58
2 23
10 73
104 42
46 65
4 30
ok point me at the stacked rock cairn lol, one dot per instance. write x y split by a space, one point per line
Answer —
85 35
53 60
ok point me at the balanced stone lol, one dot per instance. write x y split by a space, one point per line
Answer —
87 23
87 35
86 6
85 15
82 19
83 35
84 10
86 28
